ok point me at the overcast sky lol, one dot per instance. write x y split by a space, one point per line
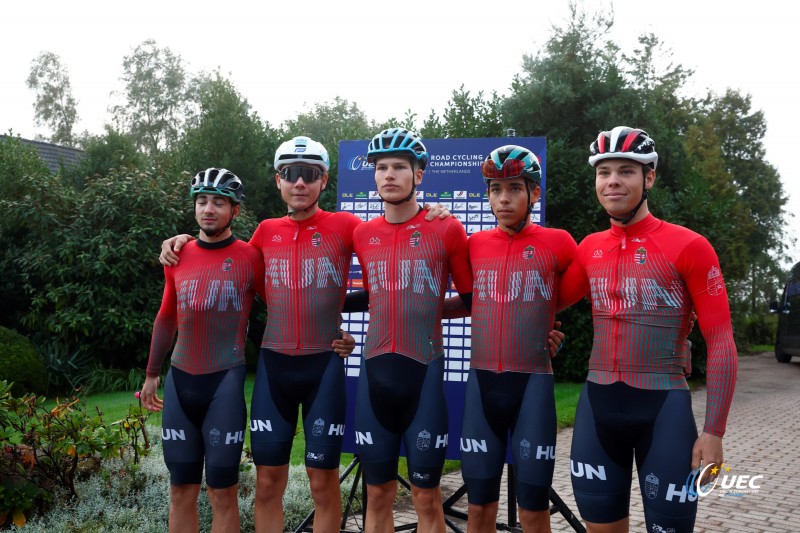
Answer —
389 57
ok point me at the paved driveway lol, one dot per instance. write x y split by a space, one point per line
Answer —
763 438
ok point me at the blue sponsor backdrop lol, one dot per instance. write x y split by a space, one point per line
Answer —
452 178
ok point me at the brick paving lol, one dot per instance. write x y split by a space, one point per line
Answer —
762 438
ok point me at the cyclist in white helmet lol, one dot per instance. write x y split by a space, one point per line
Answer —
307 255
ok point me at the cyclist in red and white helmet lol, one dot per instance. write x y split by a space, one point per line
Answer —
644 277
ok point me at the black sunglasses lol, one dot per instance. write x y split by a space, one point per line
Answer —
294 172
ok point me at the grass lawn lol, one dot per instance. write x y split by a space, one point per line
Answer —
114 406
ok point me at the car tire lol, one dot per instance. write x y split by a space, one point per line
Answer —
780 355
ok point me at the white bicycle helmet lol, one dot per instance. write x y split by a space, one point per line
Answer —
624 143
302 150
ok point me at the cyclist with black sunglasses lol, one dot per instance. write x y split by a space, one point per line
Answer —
307 256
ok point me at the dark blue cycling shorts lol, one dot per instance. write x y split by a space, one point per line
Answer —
504 405
615 424
400 399
283 384
204 417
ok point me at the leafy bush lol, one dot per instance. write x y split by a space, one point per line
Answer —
19 363
45 451
64 365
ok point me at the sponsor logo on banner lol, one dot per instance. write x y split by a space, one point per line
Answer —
360 162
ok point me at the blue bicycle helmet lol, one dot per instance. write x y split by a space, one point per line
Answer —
398 141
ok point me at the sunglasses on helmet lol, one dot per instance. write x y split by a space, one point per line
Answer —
294 172
512 168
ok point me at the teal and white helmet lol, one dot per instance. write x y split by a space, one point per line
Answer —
302 149
398 142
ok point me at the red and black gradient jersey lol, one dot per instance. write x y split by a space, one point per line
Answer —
406 269
514 296
644 280
306 264
207 299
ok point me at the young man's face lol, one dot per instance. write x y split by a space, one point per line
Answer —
213 212
619 184
301 185
509 200
394 176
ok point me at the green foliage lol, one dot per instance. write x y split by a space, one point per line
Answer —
19 166
65 365
20 364
103 153
467 116
44 451
158 96
91 271
54 106
227 134
329 123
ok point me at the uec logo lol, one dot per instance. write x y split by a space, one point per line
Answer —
359 162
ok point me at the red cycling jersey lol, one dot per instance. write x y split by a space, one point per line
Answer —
406 268
644 280
306 264
207 299
514 296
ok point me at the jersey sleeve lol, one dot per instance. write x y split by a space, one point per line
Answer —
458 256
566 251
164 327
574 283
358 235
699 266
257 239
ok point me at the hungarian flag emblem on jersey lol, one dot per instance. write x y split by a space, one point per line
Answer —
316 239
640 256
527 253
226 265
714 281
416 237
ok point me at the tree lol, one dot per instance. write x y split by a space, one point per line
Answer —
227 133
103 153
467 116
330 123
54 105
158 97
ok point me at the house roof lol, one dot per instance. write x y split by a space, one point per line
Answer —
53 155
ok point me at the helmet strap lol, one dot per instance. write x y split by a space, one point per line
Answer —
522 223
625 220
